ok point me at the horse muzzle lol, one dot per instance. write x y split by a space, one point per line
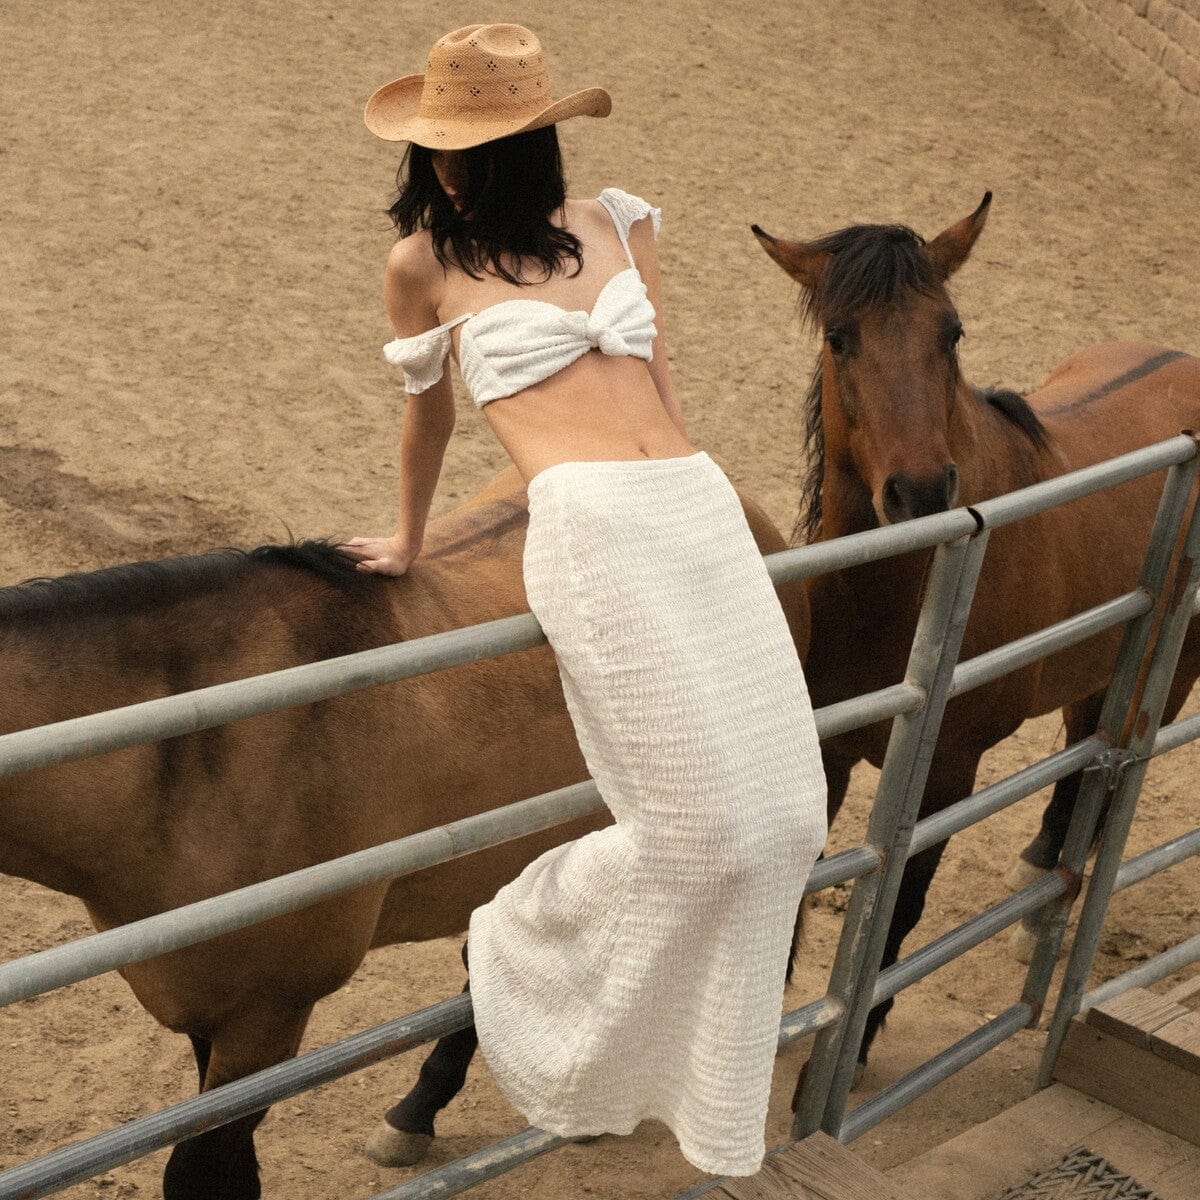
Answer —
905 497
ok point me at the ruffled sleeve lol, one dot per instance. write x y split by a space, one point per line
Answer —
421 358
626 208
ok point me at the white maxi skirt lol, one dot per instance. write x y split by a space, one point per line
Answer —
638 971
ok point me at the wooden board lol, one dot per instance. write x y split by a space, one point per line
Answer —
1182 1180
1135 1015
1002 1153
818 1168
985 1161
1179 1042
1144 1084
1142 1150
1152 1022
1185 991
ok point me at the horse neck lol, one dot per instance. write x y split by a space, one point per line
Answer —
48 830
857 600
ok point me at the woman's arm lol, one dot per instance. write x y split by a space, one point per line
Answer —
410 283
645 255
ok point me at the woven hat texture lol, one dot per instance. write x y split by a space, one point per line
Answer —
481 82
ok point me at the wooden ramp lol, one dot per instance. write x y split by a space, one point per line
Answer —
1128 1089
818 1168
1003 1153
1139 1052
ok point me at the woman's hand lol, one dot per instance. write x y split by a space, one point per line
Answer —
382 556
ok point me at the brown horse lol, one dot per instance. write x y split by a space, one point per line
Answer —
895 432
139 831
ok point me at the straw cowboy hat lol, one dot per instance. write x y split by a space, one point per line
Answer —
481 82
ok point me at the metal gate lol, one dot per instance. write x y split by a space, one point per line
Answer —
1154 615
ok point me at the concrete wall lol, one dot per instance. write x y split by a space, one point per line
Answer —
1155 43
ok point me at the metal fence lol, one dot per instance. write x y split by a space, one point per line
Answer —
1154 615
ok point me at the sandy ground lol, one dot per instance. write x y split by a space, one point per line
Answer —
192 321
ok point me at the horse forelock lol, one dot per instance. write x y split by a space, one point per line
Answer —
138 586
871 266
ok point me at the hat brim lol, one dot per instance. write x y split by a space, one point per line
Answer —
393 113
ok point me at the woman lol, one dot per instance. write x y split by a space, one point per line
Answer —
637 971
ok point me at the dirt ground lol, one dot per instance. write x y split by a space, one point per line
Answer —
192 321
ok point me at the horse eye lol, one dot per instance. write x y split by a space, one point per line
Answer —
956 335
837 340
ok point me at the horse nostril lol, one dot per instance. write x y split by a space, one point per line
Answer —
894 506
951 485
905 497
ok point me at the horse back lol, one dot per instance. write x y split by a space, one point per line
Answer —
1118 396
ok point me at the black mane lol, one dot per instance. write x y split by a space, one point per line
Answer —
141 585
1013 406
872 266
808 520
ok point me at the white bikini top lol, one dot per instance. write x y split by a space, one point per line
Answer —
514 344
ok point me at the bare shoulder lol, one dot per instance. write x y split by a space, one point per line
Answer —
585 212
413 284
592 215
411 261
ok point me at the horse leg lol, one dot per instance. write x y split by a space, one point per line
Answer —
221 1164
837 779
1082 720
1041 855
910 904
404 1136
1038 859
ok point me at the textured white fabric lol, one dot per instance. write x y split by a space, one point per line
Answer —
638 971
514 344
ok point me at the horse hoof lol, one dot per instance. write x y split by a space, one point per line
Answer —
1022 942
395 1148
1022 874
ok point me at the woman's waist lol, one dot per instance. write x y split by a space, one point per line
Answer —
644 499
592 417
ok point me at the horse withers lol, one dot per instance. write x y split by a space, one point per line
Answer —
894 431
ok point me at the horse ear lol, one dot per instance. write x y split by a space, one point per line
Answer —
950 248
798 259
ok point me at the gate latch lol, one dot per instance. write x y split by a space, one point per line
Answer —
1113 763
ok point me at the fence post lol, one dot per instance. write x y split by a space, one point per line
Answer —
1122 691
1130 772
830 1071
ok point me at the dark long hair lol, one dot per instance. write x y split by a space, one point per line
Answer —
511 186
